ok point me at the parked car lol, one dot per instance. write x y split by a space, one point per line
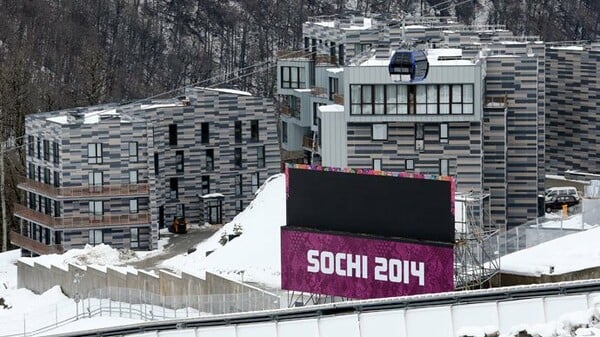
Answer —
555 202
565 190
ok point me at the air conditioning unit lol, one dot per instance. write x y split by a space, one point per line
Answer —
420 145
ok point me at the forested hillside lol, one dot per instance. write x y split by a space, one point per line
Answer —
62 53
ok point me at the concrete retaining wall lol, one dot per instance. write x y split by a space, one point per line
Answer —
165 289
512 279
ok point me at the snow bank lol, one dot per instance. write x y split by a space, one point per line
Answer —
253 256
100 255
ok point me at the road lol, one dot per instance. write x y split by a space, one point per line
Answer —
178 244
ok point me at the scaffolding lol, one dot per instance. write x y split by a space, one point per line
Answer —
476 250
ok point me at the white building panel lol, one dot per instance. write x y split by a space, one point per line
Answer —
335 326
514 313
429 322
383 323
558 306
470 315
261 329
298 328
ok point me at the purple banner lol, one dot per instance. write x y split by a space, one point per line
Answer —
361 268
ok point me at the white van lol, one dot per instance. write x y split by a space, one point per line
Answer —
565 190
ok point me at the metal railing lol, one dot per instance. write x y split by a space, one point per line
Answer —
83 191
318 91
338 99
81 221
23 241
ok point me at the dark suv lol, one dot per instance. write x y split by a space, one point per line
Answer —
555 202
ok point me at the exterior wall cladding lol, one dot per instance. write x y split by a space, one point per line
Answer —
91 172
498 150
572 101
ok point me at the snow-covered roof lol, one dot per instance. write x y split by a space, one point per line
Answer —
94 117
229 91
159 105
58 119
329 24
335 70
212 195
331 108
367 23
578 48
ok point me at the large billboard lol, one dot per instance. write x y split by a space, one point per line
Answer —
362 267
377 203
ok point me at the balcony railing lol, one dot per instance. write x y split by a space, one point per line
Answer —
329 59
293 54
81 221
33 245
318 91
289 111
307 143
338 99
83 191
496 101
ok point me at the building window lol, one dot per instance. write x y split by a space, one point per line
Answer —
156 163
56 209
39 173
444 133
379 132
174 188
419 137
237 157
239 206
392 99
204 133
134 235
260 155
444 167
47 206
95 178
284 132
39 148
315 110
238 131
377 164
96 237
96 208
56 179
172 134
31 171
333 87
46 176
293 77
179 161
95 153
210 159
254 130
255 181
409 164
133 206
55 153
205 185
341 54
30 146
46 150
133 177
32 200
133 152
238 185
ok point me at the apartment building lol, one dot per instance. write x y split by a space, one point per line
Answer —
115 174
478 116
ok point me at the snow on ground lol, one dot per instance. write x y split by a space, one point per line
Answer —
566 254
254 256
8 269
573 222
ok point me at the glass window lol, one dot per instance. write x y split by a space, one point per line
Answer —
133 152
456 99
255 181
293 77
95 208
55 153
379 132
205 185
237 157
421 99
444 167
254 134
174 188
391 99
355 99
95 237
239 206
367 100
30 146
179 161
402 97
46 150
444 133
210 159
95 178
237 131
238 185
204 133
133 177
432 99
260 155
284 132
409 164
172 134
133 206
56 179
444 99
134 235
377 164
95 153
419 131
379 99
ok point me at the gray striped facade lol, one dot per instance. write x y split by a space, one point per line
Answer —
572 108
147 124
498 151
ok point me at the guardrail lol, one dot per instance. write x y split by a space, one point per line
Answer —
77 192
23 241
363 306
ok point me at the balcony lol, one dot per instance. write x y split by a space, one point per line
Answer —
289 111
338 99
308 144
79 222
83 192
496 101
293 54
318 92
33 245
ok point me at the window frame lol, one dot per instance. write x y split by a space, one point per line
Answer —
179 161
260 157
374 126
204 133
55 153
377 162
132 148
173 134
284 132
205 184
95 153
255 182
46 147
254 130
444 132
447 162
93 235
134 243
237 132
237 158
409 164
134 206
174 188
210 159
238 185
96 208
31 146
287 77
